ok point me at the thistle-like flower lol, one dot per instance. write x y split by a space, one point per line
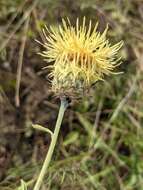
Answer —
80 56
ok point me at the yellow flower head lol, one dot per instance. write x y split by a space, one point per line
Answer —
80 55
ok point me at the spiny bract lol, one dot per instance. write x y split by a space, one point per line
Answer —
80 55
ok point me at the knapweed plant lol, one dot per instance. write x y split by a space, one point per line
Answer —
78 57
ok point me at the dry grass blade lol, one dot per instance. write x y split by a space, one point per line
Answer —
20 61
25 16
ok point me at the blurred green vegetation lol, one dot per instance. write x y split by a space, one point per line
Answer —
101 140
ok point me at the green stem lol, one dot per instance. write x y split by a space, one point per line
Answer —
39 181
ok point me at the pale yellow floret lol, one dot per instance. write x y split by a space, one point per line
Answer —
80 55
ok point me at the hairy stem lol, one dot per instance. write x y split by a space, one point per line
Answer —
40 179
